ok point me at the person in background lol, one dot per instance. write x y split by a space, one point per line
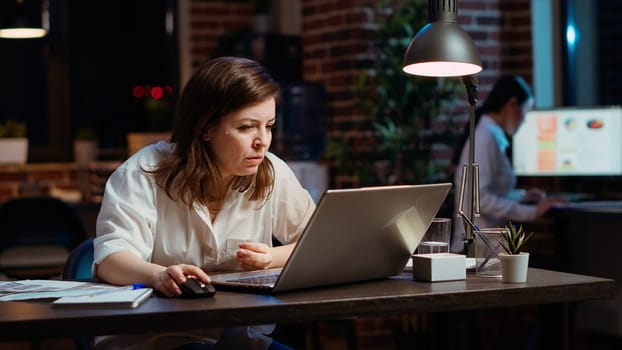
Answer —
497 119
211 199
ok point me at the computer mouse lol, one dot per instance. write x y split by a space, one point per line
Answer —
193 288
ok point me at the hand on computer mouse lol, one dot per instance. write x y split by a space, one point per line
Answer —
193 288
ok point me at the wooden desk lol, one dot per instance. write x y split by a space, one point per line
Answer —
398 295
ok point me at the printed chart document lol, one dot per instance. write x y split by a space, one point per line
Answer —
129 298
49 289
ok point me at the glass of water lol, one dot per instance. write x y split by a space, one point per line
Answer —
436 238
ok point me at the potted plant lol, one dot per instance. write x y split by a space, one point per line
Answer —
13 142
400 114
514 262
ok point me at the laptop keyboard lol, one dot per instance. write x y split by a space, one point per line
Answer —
259 280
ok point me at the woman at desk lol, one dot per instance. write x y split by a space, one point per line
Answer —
212 199
496 121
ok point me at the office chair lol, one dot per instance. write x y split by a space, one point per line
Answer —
78 268
37 235
79 262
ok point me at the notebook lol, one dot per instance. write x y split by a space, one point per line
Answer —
130 298
353 235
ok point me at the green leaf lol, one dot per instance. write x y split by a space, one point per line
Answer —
515 239
12 128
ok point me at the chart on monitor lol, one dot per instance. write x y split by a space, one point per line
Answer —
569 141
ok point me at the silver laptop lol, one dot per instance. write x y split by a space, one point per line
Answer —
354 235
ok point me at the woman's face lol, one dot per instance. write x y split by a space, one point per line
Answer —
242 138
517 114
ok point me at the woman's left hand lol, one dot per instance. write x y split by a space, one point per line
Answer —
254 256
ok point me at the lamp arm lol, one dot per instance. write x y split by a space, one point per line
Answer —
470 84
471 169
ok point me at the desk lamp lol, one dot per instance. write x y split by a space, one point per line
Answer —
443 49
24 19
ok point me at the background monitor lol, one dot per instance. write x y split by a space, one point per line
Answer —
569 141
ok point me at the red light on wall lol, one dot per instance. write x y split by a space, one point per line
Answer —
154 91
138 91
157 92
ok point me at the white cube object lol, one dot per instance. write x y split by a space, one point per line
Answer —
439 267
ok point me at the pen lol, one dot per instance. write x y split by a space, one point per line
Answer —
112 290
473 226
477 229
493 249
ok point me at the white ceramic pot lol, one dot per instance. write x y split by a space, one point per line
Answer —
514 267
13 150
84 152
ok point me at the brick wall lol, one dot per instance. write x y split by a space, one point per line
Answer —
209 20
335 41
501 30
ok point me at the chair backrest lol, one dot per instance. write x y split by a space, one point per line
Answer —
36 236
78 268
40 221
79 262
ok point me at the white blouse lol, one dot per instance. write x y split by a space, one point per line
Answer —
138 216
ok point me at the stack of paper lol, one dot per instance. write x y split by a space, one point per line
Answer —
75 293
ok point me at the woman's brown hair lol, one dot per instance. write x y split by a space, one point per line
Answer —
219 87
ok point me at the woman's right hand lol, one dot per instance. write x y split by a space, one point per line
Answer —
533 195
123 268
167 281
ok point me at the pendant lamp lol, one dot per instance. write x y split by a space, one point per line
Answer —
23 19
443 49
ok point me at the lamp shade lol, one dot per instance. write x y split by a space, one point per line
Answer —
22 33
442 48
22 19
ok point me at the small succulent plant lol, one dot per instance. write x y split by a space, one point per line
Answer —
514 239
